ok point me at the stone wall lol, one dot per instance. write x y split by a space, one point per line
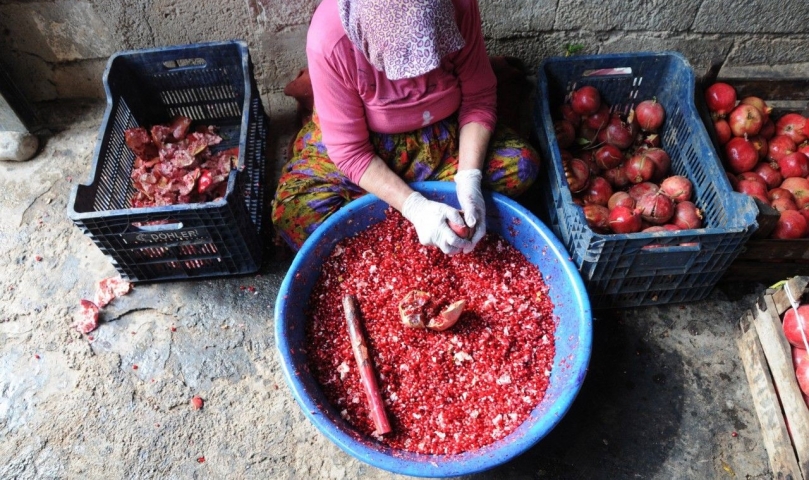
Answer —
59 48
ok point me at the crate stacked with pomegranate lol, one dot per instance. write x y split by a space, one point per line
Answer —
629 183
777 180
765 157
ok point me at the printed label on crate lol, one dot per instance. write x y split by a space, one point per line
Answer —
183 236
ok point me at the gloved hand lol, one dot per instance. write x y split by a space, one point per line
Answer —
470 197
430 219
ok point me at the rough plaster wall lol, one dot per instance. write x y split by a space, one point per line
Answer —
58 49
55 49
278 45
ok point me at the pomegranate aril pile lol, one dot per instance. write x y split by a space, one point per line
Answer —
615 166
764 157
445 392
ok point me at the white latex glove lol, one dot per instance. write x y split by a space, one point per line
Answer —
470 197
430 219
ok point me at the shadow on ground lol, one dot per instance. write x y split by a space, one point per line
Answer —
625 418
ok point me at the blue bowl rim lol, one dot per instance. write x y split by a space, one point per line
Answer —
427 465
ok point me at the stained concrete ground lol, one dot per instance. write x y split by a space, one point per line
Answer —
665 396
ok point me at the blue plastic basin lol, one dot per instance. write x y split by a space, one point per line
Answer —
573 335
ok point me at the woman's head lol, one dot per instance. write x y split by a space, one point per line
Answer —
403 38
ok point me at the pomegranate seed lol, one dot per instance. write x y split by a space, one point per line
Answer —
444 392
38 258
734 434
173 328
134 367
201 460
197 402
36 355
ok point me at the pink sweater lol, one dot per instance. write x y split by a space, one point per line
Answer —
352 97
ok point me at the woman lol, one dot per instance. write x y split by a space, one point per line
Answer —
403 92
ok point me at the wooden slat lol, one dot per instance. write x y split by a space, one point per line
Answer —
777 351
773 429
767 220
782 82
797 285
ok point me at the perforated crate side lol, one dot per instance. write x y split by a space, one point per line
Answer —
612 264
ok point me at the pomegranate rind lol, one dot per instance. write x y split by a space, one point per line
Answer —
87 317
411 308
462 231
109 289
448 317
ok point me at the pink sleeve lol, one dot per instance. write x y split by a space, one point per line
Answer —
478 82
341 112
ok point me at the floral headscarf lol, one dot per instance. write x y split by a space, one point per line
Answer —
402 38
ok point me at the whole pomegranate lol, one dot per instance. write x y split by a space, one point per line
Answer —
656 208
741 155
720 98
650 115
791 225
625 220
745 120
585 100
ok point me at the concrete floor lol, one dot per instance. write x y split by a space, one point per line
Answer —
665 397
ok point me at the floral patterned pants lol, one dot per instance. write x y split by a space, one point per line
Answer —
311 187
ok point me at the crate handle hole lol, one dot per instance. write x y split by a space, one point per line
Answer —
693 247
185 63
158 228
608 72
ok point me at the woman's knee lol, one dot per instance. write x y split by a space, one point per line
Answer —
513 167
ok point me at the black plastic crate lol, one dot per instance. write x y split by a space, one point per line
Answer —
627 270
212 84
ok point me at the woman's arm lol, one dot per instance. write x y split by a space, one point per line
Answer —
380 180
430 218
472 146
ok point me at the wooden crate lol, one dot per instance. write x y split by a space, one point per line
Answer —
786 89
767 360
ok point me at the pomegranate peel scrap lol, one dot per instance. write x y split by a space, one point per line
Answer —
87 317
418 305
462 230
448 317
109 289
411 308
